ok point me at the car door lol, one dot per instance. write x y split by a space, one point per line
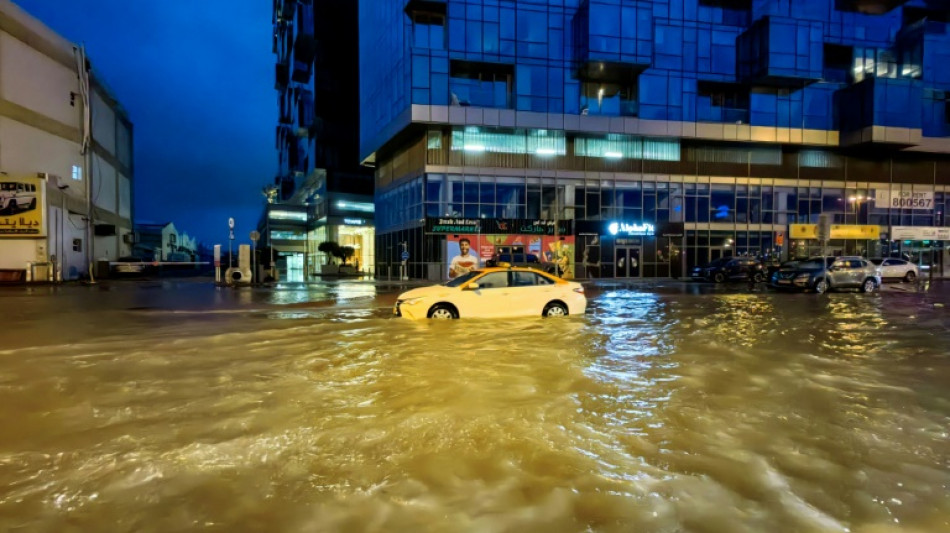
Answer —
841 275
490 300
530 292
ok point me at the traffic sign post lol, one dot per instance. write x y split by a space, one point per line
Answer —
255 235
230 240
405 256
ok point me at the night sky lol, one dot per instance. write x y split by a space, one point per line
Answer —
197 80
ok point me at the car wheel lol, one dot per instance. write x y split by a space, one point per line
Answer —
554 309
442 312
868 285
758 277
910 276
719 277
821 286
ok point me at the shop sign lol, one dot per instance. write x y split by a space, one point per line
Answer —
518 226
631 230
22 202
838 231
354 221
499 226
904 199
920 233
453 225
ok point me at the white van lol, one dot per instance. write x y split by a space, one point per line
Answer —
16 196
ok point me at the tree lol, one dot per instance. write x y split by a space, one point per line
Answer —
332 249
346 253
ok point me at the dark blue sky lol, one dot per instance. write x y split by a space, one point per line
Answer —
197 80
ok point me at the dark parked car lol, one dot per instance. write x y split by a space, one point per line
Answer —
731 268
774 267
821 274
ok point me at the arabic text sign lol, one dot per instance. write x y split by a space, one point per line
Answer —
22 201
838 231
905 199
920 233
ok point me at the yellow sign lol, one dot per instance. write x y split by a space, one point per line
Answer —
22 202
838 231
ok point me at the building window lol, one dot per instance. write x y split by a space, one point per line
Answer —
838 61
77 245
722 102
428 30
608 89
77 173
873 63
480 84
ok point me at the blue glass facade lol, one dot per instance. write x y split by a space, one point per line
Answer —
836 99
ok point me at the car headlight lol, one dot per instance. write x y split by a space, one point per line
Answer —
802 276
408 301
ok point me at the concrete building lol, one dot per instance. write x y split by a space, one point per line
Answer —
641 137
163 242
319 174
63 134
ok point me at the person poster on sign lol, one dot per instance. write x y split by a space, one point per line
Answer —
464 259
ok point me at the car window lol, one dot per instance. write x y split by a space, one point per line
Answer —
463 279
857 263
842 264
493 280
528 279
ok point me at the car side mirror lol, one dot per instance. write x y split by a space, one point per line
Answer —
471 286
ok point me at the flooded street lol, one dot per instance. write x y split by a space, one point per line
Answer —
181 407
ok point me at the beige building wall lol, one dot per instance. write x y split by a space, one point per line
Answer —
41 125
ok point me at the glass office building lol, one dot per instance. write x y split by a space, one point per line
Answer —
320 191
637 138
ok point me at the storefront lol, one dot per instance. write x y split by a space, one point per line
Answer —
461 244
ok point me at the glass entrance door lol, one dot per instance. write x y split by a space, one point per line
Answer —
627 262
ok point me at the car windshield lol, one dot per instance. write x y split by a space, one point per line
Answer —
461 280
717 262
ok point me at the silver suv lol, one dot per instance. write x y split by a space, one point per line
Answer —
821 274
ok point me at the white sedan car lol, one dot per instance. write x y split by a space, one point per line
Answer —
494 293
893 268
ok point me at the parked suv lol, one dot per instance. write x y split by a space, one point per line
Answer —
15 196
821 274
731 268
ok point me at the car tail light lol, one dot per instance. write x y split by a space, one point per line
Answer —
579 289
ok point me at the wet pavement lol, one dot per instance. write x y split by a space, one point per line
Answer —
670 406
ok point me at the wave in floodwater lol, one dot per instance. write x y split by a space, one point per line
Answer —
654 412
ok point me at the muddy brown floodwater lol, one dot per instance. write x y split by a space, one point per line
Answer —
180 407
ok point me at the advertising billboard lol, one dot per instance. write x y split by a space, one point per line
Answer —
22 202
466 252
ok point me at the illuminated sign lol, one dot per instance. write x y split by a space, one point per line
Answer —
631 230
838 231
364 207
288 215
905 199
354 221
23 201
920 233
